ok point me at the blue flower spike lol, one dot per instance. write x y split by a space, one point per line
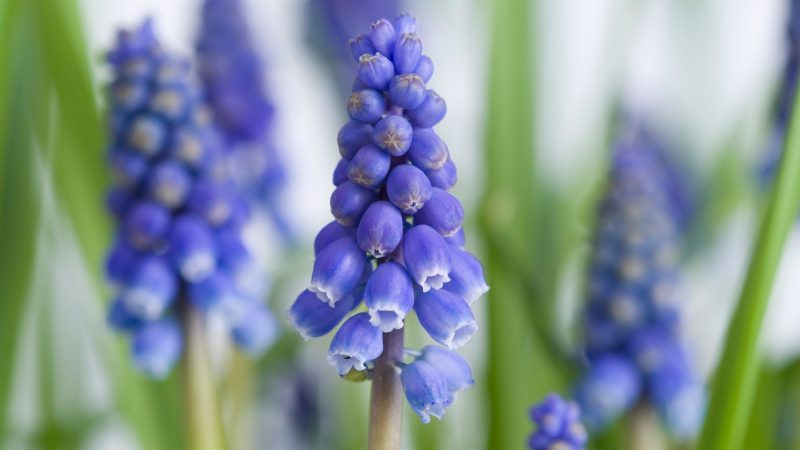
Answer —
177 209
633 346
232 75
558 424
396 242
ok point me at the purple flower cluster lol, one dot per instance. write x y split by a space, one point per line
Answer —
632 336
558 425
232 76
396 242
179 239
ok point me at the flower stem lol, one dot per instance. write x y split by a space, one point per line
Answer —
386 402
203 424
645 430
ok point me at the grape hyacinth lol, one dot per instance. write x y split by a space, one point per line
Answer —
632 323
179 219
558 425
396 242
232 76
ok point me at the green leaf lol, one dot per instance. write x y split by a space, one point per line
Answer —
519 371
734 385
19 213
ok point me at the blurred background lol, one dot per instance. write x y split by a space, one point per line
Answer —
532 111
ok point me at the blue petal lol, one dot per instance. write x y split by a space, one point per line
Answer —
380 229
442 212
389 295
426 257
356 343
338 270
451 366
446 317
466 276
426 391
313 318
156 347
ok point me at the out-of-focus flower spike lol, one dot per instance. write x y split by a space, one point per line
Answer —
558 425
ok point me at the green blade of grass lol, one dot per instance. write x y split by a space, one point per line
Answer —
735 380
517 371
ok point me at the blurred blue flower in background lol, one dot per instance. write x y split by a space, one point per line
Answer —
396 242
179 241
558 425
632 323
332 22
232 74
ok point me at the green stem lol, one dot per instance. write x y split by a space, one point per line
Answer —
386 402
734 386
203 426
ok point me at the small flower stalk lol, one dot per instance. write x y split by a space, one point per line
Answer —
396 242
632 325
558 425
232 76
179 242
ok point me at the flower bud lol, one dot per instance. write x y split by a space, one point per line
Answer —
366 106
375 71
382 36
430 112
426 390
349 201
466 276
446 317
361 45
256 330
424 68
407 52
338 270
151 289
426 257
393 134
408 188
380 229
169 184
352 136
445 177
389 295
407 90
442 212
330 233
356 343
146 224
369 167
340 172
192 248
427 150
405 23
313 318
156 347
451 366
